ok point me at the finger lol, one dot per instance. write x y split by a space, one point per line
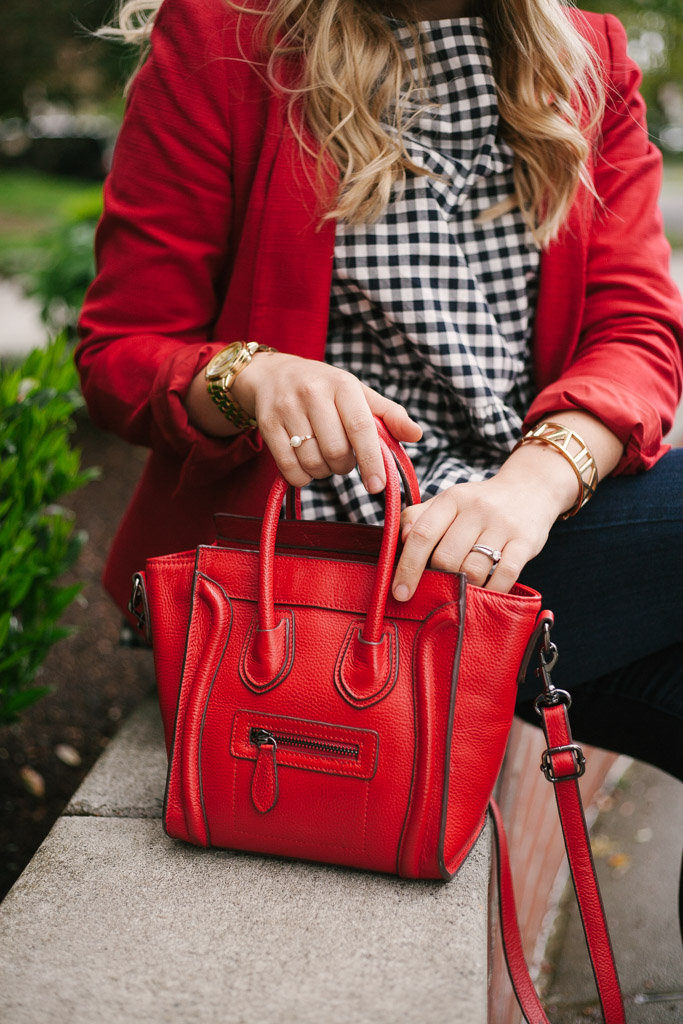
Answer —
397 420
515 555
478 565
277 439
311 458
334 445
308 452
361 431
410 515
424 535
457 541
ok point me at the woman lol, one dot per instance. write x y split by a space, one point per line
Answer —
447 219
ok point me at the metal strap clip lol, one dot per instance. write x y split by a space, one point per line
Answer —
548 656
138 606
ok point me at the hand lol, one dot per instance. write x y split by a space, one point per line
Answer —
512 513
291 395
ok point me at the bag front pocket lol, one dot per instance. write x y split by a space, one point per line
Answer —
300 787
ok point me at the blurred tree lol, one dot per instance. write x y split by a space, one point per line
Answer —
655 32
45 49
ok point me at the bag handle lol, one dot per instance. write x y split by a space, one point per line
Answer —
397 465
411 488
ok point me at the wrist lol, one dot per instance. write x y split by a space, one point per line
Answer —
541 471
203 413
571 447
221 373
245 385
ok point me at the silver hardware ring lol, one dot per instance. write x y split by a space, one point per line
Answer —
296 440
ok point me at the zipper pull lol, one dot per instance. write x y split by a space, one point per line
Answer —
264 784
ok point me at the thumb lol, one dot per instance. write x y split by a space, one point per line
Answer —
397 420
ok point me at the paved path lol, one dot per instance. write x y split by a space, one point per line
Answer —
637 848
21 327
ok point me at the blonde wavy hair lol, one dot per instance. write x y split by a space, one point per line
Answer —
357 94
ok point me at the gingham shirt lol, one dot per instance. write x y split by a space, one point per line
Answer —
430 307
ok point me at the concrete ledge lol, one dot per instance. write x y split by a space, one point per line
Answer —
113 922
128 779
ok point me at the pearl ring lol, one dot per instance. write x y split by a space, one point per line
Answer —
297 440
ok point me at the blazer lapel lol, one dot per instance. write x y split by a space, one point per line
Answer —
562 291
293 269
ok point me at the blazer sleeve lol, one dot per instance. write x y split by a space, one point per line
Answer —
627 366
161 245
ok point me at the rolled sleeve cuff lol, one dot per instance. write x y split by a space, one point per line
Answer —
635 422
204 458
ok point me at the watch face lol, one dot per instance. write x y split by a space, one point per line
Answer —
222 361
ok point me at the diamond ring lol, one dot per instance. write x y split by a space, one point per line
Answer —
491 553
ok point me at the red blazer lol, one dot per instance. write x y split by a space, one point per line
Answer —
209 234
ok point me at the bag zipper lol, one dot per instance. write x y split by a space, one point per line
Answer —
260 737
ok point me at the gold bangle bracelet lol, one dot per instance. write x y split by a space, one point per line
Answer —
559 437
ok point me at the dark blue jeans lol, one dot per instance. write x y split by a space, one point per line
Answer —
613 576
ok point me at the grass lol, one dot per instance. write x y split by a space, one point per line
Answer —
31 206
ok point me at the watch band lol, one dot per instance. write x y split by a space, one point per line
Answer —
238 356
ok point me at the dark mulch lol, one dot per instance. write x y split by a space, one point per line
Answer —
95 682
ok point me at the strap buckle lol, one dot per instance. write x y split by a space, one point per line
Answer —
577 756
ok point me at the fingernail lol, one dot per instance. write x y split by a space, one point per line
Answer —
374 485
401 592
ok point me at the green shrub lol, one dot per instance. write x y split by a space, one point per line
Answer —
68 268
38 540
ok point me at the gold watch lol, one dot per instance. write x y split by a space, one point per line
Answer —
220 375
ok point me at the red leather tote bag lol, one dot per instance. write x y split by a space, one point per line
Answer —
308 714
